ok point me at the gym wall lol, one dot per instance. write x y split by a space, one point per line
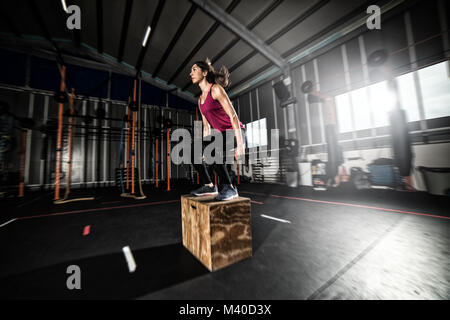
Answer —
28 87
342 68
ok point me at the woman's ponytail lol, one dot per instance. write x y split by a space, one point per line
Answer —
221 77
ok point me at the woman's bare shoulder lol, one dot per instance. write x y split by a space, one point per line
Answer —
217 90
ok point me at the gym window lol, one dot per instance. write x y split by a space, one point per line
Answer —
369 106
344 113
435 86
408 96
382 101
257 133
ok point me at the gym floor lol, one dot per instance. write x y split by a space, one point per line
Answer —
372 244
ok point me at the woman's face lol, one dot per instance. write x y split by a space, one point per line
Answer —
196 74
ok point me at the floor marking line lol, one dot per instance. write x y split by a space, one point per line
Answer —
352 205
130 260
257 202
349 265
254 193
99 209
110 202
273 218
86 230
360 206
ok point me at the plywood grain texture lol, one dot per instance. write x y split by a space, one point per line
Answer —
218 233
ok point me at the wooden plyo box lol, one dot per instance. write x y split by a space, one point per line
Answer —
218 233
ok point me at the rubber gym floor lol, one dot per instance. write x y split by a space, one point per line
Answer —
373 244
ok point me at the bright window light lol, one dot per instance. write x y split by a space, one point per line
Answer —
256 132
408 96
383 101
361 108
263 131
344 113
435 85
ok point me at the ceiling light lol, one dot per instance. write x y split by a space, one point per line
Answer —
63 2
144 43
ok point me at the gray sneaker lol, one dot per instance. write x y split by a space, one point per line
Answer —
205 191
228 192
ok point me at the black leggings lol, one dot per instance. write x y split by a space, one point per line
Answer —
220 169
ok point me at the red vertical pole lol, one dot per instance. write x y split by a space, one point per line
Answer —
128 146
59 136
168 159
132 156
157 161
133 144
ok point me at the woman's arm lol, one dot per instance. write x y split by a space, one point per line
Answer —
206 127
219 94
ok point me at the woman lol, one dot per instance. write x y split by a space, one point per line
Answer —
218 113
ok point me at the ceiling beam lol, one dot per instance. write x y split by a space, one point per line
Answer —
275 37
316 7
41 22
91 59
127 70
174 40
153 25
99 12
40 47
250 26
9 22
229 22
308 13
336 25
202 41
125 25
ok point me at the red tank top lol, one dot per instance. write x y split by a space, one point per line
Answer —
215 114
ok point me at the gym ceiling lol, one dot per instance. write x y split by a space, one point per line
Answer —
255 39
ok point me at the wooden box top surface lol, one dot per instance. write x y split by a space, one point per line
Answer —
209 200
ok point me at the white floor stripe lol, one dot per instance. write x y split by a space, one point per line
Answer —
269 217
129 257
2 225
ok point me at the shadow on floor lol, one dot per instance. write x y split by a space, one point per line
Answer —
107 277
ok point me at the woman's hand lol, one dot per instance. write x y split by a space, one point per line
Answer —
239 152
